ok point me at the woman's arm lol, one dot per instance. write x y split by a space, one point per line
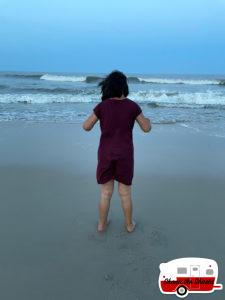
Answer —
144 123
90 122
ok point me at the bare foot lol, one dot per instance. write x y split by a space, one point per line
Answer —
102 226
130 228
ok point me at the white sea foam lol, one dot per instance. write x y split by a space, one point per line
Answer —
51 77
168 98
49 98
179 81
162 98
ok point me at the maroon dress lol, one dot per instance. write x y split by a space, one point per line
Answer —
116 150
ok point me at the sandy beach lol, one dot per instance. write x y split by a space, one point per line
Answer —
50 249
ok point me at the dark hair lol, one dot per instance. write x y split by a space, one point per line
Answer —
114 85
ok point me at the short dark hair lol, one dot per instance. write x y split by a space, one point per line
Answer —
114 85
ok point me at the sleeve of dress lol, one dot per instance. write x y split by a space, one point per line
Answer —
138 110
97 110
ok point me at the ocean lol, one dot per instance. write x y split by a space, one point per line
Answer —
196 102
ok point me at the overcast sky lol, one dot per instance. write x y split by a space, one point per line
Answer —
144 36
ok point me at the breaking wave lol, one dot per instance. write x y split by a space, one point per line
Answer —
133 79
185 100
151 98
64 78
97 79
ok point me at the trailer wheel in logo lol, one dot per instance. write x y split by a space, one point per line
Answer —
181 290
189 275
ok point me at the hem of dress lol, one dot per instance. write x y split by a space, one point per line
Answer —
114 178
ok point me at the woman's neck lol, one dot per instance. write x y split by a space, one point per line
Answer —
119 98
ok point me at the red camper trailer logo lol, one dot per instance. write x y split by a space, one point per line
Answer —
189 275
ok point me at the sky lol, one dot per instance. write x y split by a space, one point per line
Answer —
144 36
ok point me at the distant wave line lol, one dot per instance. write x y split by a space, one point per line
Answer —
27 76
3 86
56 91
131 79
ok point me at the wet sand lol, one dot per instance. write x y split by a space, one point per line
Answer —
48 212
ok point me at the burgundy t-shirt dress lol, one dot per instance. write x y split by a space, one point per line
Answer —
116 150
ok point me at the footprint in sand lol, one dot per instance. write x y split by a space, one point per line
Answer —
123 246
158 238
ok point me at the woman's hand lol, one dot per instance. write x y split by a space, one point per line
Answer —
90 122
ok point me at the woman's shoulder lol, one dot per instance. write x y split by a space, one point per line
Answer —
132 102
135 107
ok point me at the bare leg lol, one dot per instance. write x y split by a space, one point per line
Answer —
126 202
104 203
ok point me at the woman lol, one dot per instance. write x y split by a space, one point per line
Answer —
117 115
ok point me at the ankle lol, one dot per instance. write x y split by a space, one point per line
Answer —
102 222
130 223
